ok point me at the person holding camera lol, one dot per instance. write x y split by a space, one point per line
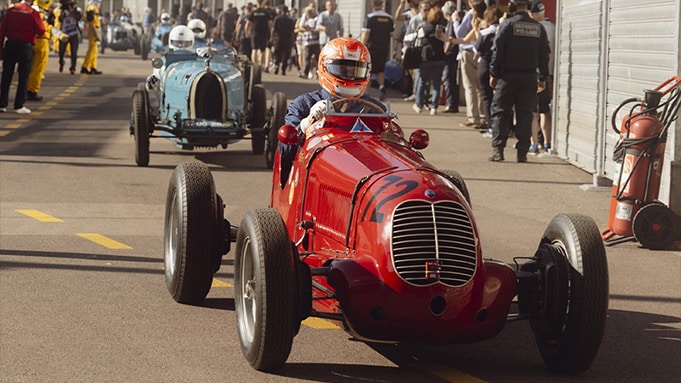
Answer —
433 55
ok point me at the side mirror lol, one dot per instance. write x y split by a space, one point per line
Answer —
288 134
419 139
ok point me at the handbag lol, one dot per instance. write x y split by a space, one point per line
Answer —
412 57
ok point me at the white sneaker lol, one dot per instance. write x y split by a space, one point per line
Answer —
416 108
23 110
3 110
410 98
433 112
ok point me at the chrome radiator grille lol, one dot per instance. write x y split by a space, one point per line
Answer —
433 243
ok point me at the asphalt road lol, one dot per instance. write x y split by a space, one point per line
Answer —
82 294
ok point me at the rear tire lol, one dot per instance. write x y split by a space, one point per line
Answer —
571 300
140 122
190 233
279 107
258 117
265 290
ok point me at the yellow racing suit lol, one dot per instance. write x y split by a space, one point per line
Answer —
41 52
94 29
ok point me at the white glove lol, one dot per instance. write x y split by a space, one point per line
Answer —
305 125
318 110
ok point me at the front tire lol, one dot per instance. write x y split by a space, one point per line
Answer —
140 122
190 232
570 302
265 290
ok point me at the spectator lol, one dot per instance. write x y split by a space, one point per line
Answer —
449 74
415 23
483 47
329 23
378 28
520 49
469 65
68 17
198 13
226 24
310 42
181 17
543 118
20 26
148 20
282 39
258 27
240 33
433 54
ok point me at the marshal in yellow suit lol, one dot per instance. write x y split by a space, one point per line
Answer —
94 34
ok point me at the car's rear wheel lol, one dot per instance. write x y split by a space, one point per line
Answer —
140 124
279 106
190 232
265 289
258 117
570 302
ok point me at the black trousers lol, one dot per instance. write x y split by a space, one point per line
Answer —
73 41
517 90
15 53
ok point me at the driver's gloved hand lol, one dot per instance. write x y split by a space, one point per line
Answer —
317 112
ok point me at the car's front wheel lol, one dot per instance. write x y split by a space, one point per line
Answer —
569 303
190 232
265 289
140 124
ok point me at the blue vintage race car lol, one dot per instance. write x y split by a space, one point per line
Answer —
208 99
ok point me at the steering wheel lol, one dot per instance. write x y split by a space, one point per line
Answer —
350 101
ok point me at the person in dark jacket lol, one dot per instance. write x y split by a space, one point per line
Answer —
282 39
433 54
520 49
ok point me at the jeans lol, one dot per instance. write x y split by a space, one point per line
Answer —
430 74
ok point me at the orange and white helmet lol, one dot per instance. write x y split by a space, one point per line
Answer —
344 67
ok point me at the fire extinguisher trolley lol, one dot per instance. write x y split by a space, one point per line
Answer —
635 212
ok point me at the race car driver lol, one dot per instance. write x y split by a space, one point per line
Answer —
344 71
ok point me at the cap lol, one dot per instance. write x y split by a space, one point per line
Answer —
537 7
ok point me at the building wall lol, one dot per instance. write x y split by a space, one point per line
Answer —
608 51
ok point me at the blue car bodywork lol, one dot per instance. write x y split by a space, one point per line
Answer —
208 99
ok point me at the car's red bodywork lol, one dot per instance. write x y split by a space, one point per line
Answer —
395 237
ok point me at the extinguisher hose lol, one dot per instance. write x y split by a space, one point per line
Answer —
613 121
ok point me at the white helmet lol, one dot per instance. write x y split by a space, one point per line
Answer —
165 18
198 27
181 37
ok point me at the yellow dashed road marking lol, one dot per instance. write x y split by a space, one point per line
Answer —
104 241
319 323
219 283
40 216
446 373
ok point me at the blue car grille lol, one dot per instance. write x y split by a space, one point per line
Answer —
433 243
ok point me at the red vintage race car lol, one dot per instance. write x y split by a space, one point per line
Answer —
365 232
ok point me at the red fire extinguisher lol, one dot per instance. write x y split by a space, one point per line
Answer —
635 212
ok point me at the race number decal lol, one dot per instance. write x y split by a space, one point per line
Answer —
395 186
